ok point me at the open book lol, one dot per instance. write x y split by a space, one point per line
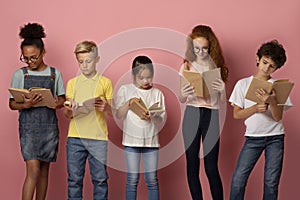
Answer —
282 89
86 106
139 108
202 82
47 97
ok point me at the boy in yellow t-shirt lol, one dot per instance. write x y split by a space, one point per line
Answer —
89 97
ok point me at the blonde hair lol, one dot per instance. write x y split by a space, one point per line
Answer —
86 47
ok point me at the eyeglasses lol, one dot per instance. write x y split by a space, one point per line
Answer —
32 59
203 49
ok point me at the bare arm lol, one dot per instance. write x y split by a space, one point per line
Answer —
28 102
60 101
276 110
242 113
122 111
104 106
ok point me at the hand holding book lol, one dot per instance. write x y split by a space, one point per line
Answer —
279 89
35 97
187 90
86 106
137 106
266 97
206 83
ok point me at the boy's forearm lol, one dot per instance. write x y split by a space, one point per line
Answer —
239 113
277 112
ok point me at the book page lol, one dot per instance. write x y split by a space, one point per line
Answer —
90 103
209 77
156 109
282 90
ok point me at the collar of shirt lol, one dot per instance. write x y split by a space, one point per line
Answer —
94 78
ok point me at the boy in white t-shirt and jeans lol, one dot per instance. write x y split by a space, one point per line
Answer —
264 128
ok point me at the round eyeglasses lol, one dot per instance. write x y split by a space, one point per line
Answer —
32 59
202 49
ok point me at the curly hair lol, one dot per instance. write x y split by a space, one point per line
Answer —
273 50
32 34
215 50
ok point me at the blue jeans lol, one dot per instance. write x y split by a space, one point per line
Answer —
273 147
150 158
78 151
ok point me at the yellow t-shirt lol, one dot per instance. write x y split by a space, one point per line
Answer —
92 125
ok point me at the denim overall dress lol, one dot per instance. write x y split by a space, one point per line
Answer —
38 126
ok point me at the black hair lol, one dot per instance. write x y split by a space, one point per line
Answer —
273 50
141 62
32 34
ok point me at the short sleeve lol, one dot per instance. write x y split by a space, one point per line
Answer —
238 95
70 89
17 80
60 89
121 97
109 91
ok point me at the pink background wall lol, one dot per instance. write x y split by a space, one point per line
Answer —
241 27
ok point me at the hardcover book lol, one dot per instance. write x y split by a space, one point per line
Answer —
47 97
139 108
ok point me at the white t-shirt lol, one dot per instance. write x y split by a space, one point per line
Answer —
193 100
138 132
258 124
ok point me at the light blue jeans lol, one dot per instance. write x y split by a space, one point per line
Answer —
273 147
78 151
150 158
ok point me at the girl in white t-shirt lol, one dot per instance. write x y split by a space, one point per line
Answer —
140 133
201 116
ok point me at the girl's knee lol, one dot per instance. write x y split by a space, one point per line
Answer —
33 173
151 179
132 178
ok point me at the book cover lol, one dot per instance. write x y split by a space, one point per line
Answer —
282 89
48 99
202 82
